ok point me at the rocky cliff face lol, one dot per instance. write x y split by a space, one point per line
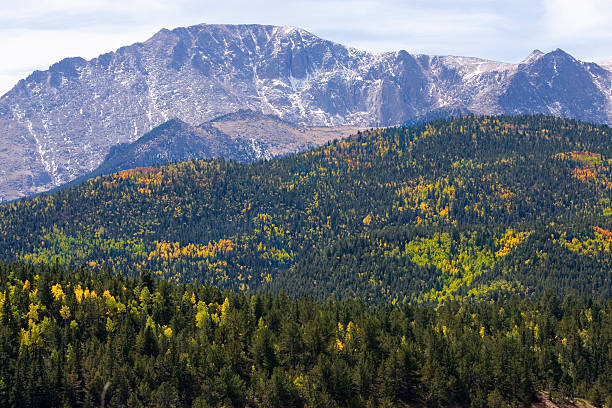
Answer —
59 124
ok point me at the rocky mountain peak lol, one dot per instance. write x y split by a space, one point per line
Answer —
58 124
535 55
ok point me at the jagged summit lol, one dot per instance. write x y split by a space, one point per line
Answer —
58 124
560 54
557 54
535 54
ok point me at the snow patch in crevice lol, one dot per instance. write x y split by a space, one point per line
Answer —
48 164
261 89
260 152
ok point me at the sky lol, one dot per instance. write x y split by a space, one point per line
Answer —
35 34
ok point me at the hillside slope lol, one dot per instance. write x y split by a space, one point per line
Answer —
174 141
462 208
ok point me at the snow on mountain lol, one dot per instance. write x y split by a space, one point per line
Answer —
607 65
535 55
58 124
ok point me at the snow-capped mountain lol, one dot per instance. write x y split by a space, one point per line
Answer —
58 124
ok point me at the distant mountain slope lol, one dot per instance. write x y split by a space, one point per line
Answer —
174 141
462 208
242 136
58 124
271 136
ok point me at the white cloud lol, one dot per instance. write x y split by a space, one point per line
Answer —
580 27
585 18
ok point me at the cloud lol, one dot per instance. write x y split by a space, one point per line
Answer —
91 15
579 27
567 19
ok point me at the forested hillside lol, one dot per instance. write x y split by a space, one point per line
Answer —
75 337
475 207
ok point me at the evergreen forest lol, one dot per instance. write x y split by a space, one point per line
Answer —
454 209
458 262
67 335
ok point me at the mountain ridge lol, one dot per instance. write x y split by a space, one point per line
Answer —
59 124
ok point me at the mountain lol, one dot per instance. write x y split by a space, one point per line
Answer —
58 124
241 136
473 207
270 136
472 256
173 141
